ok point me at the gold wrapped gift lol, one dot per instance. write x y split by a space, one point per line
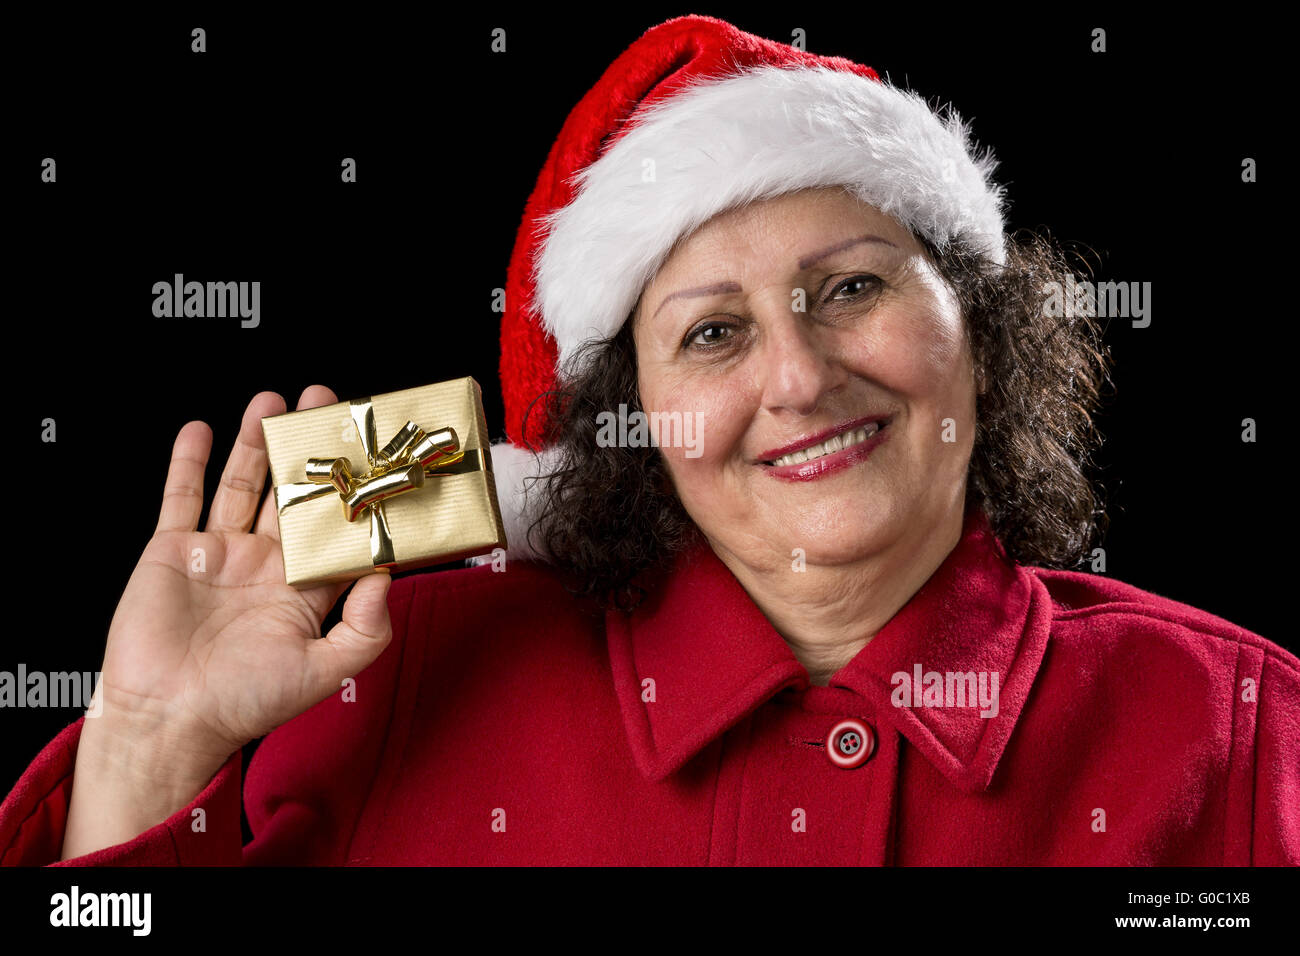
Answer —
399 481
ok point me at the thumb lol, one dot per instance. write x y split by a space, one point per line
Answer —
355 641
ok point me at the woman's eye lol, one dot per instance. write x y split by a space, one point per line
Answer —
700 338
853 287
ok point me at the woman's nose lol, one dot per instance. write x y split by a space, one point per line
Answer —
796 366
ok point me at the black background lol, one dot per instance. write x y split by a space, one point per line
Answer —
225 166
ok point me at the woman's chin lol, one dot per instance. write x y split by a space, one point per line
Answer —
833 543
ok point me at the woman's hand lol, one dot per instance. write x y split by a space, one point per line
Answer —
209 648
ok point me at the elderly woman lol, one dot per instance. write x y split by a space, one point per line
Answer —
817 610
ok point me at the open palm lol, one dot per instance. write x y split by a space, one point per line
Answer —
209 644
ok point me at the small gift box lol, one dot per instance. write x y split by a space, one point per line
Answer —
400 480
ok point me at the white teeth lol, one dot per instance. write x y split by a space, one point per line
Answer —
830 446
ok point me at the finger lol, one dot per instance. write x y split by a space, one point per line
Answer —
182 501
312 397
324 596
357 639
235 503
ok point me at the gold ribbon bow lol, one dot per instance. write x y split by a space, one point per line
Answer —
399 467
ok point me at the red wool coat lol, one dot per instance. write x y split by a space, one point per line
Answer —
506 723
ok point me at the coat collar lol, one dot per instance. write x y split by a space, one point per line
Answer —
713 658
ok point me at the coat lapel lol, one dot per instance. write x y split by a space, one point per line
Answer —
698 656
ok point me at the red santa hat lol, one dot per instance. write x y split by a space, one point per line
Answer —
695 118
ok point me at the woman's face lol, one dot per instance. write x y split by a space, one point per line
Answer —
775 323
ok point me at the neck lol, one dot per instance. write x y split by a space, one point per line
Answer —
829 612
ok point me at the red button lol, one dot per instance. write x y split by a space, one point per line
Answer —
850 743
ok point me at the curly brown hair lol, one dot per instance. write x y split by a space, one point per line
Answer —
608 514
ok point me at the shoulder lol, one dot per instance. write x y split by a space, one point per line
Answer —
522 591
477 620
1103 613
1205 711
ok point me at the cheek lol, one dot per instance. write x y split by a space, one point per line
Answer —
715 410
920 355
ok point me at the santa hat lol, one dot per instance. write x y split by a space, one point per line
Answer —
695 118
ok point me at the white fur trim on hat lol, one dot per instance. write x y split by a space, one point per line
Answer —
518 497
722 142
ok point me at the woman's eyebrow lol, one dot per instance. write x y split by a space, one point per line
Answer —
815 257
719 288
722 288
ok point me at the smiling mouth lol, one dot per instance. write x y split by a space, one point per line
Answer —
830 446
